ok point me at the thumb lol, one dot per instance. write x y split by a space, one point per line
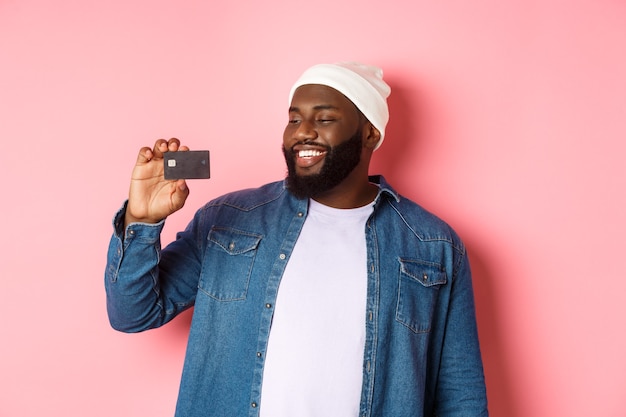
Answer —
180 194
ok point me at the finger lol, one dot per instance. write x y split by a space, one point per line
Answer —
173 144
145 155
160 146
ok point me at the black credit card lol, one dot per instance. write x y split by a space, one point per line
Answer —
186 165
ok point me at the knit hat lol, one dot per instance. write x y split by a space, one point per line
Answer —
361 84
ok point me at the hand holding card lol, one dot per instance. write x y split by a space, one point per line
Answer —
151 197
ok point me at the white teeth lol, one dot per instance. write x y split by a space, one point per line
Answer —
309 153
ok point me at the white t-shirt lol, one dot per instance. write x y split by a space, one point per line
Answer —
314 362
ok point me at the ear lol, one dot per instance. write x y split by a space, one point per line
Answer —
371 136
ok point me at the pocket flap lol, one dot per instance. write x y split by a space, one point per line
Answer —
426 273
234 242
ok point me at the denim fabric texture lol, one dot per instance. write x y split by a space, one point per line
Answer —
422 355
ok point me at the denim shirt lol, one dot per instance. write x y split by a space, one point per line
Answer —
421 358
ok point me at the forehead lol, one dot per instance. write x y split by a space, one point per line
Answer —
315 95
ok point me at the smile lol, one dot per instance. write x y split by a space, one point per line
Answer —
309 153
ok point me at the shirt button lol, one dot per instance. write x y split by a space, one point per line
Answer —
268 305
259 354
300 214
282 256
253 405
131 232
231 246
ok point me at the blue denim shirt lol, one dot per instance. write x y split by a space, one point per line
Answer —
421 357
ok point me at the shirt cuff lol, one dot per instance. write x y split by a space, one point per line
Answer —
143 231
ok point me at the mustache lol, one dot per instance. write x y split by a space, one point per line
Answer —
308 143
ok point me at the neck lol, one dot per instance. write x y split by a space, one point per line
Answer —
347 196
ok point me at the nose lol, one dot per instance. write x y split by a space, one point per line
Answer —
305 131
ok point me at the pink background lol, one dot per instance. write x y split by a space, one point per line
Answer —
508 120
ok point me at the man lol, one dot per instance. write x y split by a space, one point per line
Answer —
327 294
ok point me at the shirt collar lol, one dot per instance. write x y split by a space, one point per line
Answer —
384 187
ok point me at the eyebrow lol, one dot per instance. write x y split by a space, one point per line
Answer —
317 108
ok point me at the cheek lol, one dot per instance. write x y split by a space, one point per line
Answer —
337 137
286 136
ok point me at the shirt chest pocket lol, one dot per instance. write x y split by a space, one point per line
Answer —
228 262
418 288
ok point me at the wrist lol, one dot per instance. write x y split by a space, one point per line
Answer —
129 219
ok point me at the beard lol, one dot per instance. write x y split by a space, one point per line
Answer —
339 162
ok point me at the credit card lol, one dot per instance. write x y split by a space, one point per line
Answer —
186 165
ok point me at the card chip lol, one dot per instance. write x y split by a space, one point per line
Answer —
171 162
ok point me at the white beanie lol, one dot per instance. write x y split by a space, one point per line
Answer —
362 84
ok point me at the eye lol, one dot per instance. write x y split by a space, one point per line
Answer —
326 119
